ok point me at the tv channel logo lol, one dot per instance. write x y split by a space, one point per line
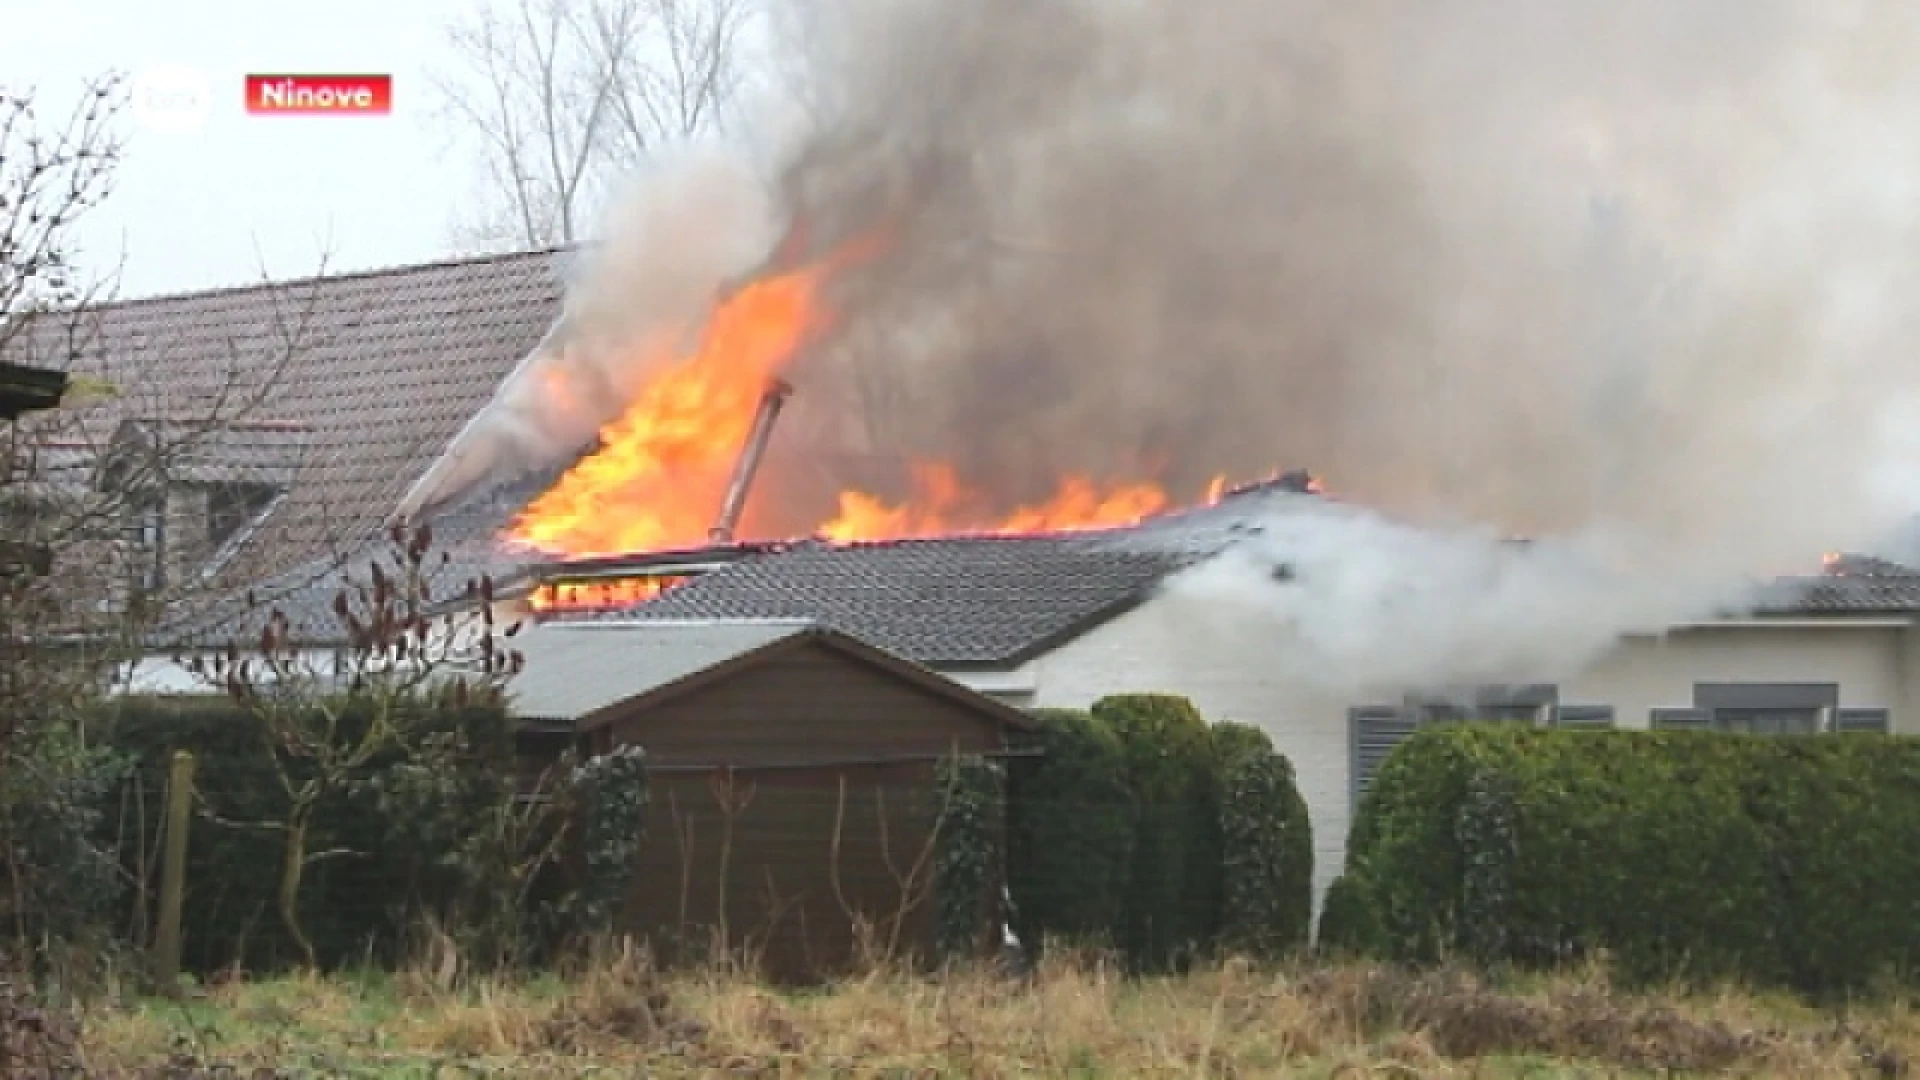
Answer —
171 100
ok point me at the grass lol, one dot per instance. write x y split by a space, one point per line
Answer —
1071 1019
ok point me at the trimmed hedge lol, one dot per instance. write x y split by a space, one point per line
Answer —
1070 822
1172 904
1141 828
1266 850
1777 860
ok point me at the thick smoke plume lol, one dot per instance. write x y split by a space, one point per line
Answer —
1632 275
1548 266
1635 277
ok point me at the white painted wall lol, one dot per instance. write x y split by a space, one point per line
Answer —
1642 674
1165 646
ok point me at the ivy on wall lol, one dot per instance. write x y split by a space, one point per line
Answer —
610 792
969 853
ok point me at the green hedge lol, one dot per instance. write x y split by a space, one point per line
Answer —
1140 827
1785 861
1070 824
355 904
1171 909
1266 851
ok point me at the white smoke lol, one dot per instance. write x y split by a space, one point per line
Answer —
1361 606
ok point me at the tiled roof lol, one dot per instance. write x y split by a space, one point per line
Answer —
240 453
375 372
1851 585
962 602
965 601
944 603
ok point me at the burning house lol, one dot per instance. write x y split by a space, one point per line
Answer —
676 523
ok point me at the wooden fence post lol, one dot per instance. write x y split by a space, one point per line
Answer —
173 868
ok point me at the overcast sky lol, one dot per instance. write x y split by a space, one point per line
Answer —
245 194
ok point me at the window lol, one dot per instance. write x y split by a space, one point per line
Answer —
232 506
1526 704
1767 708
1583 716
1374 730
1847 721
147 539
1767 721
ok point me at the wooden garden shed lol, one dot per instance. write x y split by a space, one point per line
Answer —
792 780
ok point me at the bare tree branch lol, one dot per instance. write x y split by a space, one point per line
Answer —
562 97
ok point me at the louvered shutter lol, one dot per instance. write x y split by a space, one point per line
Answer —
1583 716
1376 731
1862 720
1681 719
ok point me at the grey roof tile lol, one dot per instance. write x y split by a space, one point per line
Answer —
969 601
955 602
1851 585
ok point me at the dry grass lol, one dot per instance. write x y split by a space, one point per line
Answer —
1071 1019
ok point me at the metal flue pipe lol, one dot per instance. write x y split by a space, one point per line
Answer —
750 455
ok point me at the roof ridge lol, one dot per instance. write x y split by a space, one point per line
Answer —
797 622
971 537
390 270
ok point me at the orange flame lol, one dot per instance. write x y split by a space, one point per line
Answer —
657 480
940 504
598 594
662 465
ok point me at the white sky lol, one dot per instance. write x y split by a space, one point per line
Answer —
248 194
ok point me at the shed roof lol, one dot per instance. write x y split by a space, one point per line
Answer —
581 671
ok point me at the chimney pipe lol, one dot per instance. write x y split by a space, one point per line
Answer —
750 455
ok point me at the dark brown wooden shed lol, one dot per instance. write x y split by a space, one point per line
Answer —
792 772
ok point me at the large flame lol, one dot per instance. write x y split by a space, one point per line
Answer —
941 503
663 465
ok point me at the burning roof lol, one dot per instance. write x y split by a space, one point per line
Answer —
674 454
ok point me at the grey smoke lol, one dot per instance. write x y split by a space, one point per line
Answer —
1548 266
1630 275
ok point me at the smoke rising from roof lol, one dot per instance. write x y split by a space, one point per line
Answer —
1549 267
1632 276
1628 272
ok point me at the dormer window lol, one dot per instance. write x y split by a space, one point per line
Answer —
230 507
197 492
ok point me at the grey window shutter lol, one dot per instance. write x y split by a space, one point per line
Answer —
1583 716
1681 719
1868 720
1376 731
